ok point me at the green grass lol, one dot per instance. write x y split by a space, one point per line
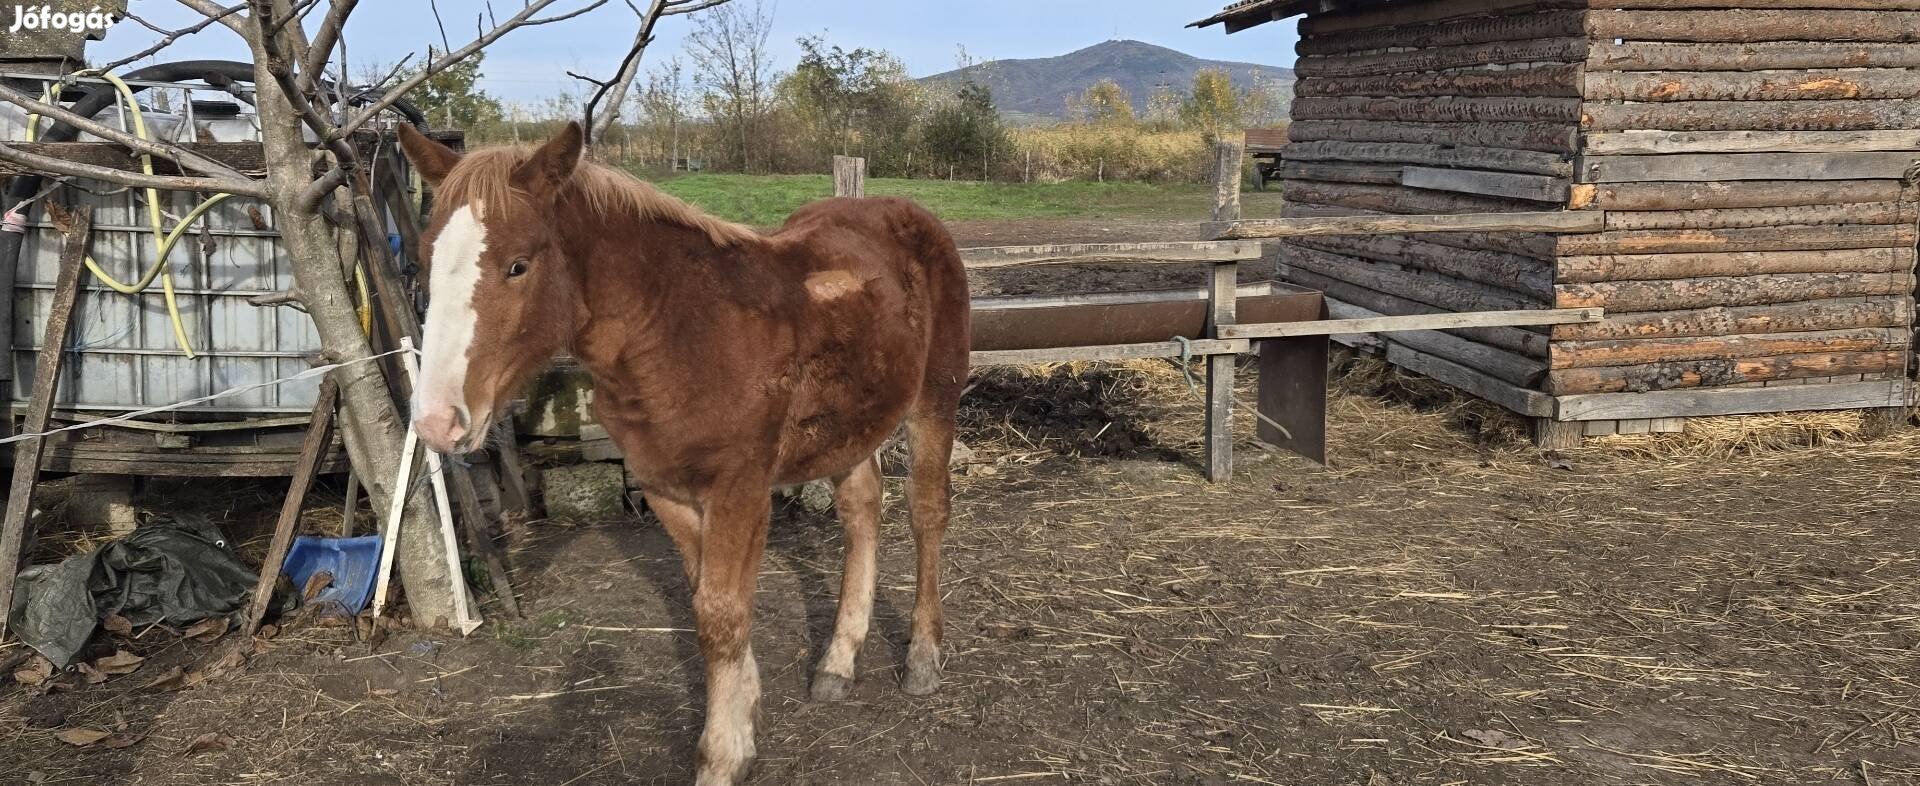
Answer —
767 199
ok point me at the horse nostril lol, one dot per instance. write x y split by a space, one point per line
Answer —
461 418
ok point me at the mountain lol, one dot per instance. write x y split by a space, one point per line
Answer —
1038 88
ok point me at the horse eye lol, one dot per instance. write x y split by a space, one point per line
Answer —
517 269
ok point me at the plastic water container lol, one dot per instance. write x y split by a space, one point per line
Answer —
354 562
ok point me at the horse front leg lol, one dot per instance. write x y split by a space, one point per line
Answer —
733 537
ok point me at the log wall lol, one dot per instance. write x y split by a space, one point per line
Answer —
1750 156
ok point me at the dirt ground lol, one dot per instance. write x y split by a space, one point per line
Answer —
1443 604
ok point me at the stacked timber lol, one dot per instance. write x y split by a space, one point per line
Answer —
1751 158
1438 106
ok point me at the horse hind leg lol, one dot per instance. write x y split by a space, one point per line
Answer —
930 430
857 500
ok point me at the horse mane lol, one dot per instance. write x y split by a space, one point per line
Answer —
487 175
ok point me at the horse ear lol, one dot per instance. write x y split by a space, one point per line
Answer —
431 159
551 165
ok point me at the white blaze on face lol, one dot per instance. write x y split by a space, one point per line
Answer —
450 315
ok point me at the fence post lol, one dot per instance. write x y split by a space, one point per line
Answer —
1226 179
849 176
1223 281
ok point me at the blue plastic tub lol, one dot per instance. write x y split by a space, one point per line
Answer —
354 562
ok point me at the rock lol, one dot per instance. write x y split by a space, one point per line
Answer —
816 496
585 492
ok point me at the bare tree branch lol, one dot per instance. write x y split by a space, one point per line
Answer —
186 159
525 18
622 82
212 10
170 37
61 166
323 40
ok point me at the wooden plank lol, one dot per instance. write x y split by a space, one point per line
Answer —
1863 115
473 521
1557 138
1888 311
1378 174
1539 188
1609 55
1686 241
312 450
1669 195
1348 19
1438 109
1768 371
1773 85
1389 324
1222 300
1858 214
1437 58
1560 79
1645 143
1633 352
1499 364
1645 267
1688 293
1747 166
1521 27
1399 200
1454 155
1551 221
1518 341
1291 400
1754 25
1179 252
1531 277
1155 349
46 369
1520 400
1731 401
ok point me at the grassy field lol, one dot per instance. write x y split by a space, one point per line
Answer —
767 199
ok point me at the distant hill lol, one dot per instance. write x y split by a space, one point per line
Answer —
1037 89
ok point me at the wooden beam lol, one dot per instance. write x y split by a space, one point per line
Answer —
985 257
1391 324
46 381
1156 349
1223 282
849 176
312 450
1229 155
1518 399
1747 166
1550 221
1732 401
1646 143
1539 188
248 158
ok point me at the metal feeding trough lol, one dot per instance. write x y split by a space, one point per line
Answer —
1292 406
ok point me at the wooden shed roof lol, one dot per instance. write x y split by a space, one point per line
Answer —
1248 13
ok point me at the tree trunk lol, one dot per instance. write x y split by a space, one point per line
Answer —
371 424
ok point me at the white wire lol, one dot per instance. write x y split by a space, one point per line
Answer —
308 374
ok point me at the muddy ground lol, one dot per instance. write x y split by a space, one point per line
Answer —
1442 605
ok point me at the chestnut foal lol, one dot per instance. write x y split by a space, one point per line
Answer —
725 363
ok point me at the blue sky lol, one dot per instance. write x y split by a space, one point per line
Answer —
530 63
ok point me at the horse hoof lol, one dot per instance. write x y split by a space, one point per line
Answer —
922 679
831 687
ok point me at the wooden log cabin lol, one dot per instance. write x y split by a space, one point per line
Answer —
1753 160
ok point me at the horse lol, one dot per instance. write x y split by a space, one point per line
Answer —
725 363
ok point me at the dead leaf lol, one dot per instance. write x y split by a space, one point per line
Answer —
210 741
208 629
119 741
81 738
93 676
320 580
172 679
118 625
1556 461
120 662
34 672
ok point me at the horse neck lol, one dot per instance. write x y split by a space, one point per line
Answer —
634 278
